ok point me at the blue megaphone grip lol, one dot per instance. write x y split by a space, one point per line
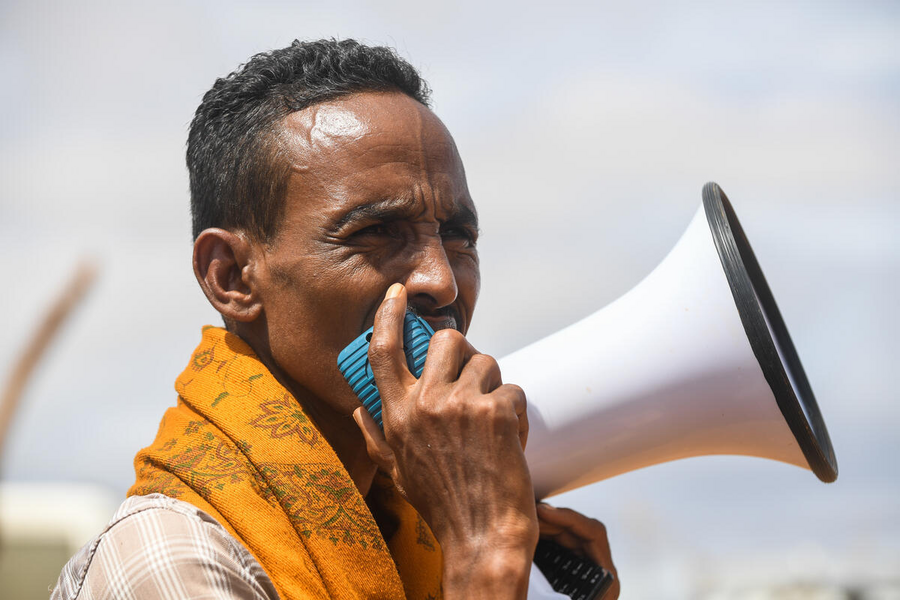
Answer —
353 361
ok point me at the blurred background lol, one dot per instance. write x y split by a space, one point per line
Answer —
587 130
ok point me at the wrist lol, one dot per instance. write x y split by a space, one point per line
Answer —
488 575
489 567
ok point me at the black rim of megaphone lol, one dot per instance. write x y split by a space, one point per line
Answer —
754 298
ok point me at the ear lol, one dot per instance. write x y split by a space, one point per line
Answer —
223 266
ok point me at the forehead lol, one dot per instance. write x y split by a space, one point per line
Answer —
370 144
382 118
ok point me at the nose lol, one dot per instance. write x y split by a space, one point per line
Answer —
431 283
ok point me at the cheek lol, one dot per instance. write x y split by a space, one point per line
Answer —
303 301
311 324
340 298
468 280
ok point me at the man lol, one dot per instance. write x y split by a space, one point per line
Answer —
328 198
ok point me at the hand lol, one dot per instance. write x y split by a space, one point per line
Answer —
453 443
580 534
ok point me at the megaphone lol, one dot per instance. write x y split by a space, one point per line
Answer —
695 360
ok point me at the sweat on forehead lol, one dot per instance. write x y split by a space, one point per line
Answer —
391 118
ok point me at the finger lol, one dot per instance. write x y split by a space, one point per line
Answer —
516 396
569 542
578 529
481 371
448 352
376 446
386 356
548 527
570 520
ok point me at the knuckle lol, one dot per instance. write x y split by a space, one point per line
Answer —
447 336
515 395
426 408
485 361
497 409
457 403
598 526
515 391
482 412
431 405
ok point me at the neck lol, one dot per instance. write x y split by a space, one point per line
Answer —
343 435
339 429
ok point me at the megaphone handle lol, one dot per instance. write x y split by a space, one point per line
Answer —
353 361
575 576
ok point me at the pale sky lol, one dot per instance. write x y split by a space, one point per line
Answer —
587 131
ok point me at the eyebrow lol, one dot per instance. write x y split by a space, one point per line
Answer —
396 209
463 216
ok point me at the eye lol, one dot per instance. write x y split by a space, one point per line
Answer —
461 234
378 229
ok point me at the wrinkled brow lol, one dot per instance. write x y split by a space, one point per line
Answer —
394 210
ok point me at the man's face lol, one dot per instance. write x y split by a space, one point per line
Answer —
377 195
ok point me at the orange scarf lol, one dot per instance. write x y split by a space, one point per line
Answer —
239 446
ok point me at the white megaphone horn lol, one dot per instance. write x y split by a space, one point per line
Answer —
695 360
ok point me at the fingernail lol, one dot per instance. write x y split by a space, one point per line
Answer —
394 291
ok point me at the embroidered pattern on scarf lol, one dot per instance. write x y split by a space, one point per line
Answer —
239 446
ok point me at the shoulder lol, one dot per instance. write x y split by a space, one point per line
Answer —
160 547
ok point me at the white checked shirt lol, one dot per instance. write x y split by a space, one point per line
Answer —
159 547
156 547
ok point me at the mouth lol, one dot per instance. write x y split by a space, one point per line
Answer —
444 318
438 323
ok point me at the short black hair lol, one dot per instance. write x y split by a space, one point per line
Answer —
237 179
